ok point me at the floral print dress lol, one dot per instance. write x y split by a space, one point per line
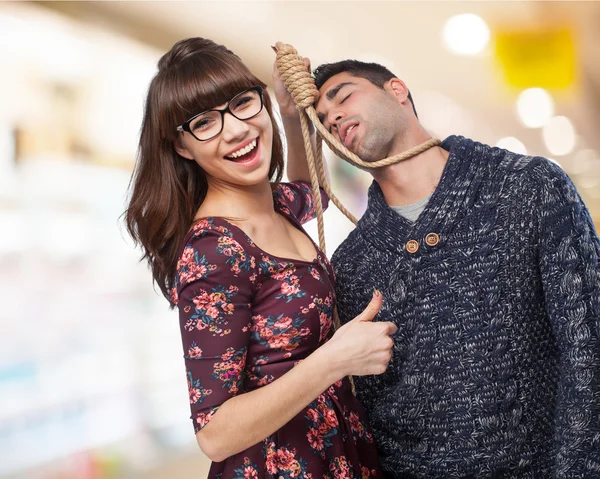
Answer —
248 317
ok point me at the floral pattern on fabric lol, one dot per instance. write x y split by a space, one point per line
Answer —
281 332
237 257
341 469
359 428
298 199
323 424
256 374
210 310
246 319
284 463
230 371
286 273
196 391
248 470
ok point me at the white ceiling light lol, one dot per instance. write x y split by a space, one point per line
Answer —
535 107
512 144
559 136
466 34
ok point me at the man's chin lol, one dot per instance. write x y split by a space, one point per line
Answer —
367 156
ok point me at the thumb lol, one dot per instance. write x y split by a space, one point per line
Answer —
372 308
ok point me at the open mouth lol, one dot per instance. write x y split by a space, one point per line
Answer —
349 135
244 154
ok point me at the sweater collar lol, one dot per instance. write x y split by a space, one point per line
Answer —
460 180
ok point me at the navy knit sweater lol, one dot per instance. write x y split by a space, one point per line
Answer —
496 364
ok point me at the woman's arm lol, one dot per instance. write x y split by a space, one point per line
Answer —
297 165
360 347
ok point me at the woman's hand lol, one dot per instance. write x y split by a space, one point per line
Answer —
362 347
287 107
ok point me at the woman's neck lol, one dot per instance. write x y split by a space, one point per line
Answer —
240 203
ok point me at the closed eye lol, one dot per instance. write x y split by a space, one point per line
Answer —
345 98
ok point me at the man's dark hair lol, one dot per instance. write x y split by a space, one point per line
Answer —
377 74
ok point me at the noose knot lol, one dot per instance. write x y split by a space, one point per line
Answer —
296 76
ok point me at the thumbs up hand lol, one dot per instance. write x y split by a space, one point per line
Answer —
362 347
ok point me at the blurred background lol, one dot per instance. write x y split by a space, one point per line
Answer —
92 382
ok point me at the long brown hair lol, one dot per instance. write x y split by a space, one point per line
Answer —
166 189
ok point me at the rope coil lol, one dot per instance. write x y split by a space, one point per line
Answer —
299 82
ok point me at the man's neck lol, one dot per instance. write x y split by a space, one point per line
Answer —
411 180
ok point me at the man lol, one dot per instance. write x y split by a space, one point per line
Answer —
488 264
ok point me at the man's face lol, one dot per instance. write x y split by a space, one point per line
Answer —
365 118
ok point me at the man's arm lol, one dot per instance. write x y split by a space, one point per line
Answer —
569 254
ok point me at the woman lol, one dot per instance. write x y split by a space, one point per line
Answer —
266 375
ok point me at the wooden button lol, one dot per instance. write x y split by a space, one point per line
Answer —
432 239
412 246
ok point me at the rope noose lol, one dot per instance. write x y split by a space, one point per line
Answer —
299 82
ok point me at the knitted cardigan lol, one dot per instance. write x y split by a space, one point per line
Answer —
496 364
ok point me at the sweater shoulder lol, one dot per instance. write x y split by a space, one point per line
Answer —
527 176
535 168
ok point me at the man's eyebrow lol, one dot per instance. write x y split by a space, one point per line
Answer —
335 90
332 93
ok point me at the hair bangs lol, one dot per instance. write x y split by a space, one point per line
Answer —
203 82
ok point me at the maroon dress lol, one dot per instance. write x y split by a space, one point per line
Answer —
248 317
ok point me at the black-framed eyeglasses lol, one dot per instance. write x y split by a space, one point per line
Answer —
208 124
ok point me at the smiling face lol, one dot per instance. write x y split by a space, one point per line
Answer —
239 155
244 152
370 121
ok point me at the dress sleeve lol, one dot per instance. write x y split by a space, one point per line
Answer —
569 256
215 278
298 199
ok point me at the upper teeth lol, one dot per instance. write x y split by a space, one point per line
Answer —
242 151
349 130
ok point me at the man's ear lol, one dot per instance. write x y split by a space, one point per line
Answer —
181 149
398 89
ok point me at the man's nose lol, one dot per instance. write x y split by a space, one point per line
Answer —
335 116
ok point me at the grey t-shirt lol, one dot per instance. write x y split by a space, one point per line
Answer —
412 212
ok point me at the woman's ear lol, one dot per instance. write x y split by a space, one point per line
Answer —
181 149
